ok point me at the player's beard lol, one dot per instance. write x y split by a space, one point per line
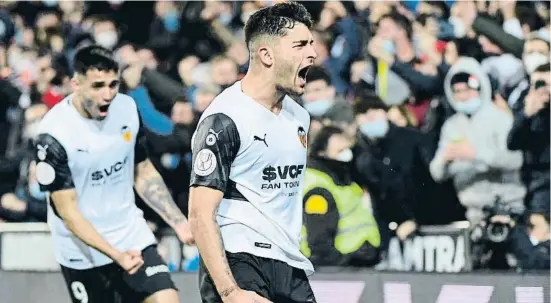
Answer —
285 76
90 107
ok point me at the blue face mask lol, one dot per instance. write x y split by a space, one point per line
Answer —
171 21
389 47
375 129
318 108
19 37
225 18
34 191
468 107
50 3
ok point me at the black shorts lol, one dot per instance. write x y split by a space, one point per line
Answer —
272 279
112 284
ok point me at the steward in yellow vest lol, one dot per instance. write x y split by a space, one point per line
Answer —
339 230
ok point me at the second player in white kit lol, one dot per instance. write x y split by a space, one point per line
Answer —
90 154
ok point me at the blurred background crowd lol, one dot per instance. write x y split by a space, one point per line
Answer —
423 112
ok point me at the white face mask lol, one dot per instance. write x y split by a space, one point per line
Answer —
107 39
533 61
459 28
345 155
534 241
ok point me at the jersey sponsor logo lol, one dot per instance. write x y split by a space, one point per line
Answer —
153 270
212 137
45 173
286 172
113 171
257 138
302 136
205 162
126 133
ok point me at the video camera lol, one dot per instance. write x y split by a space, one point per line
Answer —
497 232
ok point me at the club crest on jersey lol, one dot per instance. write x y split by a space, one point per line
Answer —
302 136
205 162
126 133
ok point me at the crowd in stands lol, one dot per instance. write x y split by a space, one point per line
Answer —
423 112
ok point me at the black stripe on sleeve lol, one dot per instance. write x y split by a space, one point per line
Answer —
216 144
140 149
52 164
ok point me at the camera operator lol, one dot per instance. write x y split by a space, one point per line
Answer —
530 245
530 134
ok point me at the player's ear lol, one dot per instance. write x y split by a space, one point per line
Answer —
75 83
266 55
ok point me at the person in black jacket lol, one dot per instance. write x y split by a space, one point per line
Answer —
393 164
530 245
530 133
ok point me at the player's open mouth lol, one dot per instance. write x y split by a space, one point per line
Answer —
303 72
103 109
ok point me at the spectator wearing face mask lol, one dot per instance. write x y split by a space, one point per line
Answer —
530 134
165 28
338 229
320 98
393 71
391 162
319 93
105 32
336 17
472 150
536 53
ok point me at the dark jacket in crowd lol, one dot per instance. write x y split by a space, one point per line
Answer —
163 89
168 154
9 94
395 171
529 256
531 136
485 26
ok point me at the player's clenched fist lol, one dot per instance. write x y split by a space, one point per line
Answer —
130 261
244 296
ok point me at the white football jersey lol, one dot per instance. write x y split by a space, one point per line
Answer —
97 159
258 159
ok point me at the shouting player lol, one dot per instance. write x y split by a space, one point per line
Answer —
249 158
90 153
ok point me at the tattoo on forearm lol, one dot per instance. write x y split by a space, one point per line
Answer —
226 292
154 192
211 232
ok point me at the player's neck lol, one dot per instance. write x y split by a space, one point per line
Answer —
263 90
78 104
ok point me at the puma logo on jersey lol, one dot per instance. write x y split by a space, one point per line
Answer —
256 138
212 137
41 153
153 270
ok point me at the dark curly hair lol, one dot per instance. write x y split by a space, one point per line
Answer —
94 57
276 20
